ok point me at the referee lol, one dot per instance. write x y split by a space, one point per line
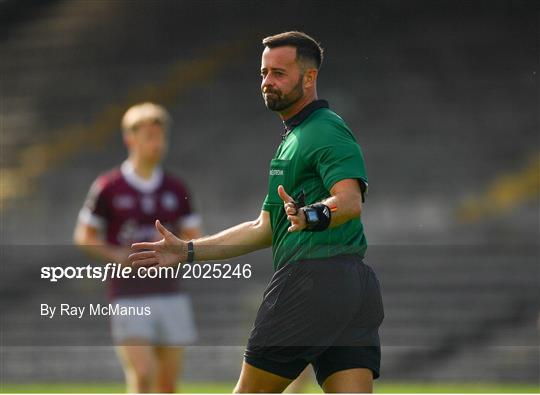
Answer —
323 304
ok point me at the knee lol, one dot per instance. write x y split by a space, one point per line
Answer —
166 385
144 377
166 380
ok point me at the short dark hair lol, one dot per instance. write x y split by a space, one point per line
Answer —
307 49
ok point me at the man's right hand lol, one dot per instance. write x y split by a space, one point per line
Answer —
168 251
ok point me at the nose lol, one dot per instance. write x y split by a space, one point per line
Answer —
266 83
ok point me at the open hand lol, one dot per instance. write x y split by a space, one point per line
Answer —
168 251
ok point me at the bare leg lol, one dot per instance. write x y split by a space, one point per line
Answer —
299 384
253 380
139 364
358 380
169 362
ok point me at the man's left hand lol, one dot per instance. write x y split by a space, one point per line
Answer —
294 214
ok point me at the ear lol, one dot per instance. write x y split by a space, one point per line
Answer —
128 139
310 77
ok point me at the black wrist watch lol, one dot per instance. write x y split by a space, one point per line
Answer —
312 217
318 217
190 252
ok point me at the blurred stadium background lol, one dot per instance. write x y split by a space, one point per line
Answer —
443 97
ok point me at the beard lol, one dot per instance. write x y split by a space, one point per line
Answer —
279 101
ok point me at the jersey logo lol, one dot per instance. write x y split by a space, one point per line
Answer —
276 172
148 204
131 232
169 201
123 202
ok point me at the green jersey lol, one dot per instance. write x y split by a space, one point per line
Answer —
318 151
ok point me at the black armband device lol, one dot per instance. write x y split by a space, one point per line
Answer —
318 217
190 252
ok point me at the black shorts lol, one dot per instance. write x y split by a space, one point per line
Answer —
326 312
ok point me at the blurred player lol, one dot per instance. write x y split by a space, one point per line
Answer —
120 209
323 304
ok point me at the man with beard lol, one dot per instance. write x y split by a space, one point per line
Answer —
323 305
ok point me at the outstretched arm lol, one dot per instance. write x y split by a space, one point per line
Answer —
238 240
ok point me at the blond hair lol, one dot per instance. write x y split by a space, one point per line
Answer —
145 112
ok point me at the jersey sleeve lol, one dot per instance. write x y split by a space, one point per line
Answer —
95 210
335 154
265 205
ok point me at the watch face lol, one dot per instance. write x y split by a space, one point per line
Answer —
312 216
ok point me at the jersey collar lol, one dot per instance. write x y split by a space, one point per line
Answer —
142 185
296 120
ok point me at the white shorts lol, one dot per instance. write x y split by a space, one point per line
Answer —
170 322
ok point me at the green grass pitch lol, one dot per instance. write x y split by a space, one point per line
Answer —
225 387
